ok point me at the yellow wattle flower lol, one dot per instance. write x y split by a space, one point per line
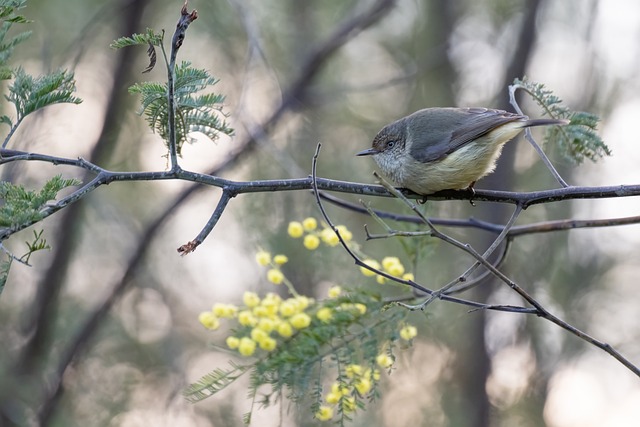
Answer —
295 229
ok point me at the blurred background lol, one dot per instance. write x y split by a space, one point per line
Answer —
296 73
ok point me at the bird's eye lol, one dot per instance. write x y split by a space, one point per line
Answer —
390 144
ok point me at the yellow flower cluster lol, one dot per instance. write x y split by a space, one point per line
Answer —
391 265
313 237
211 319
274 274
384 360
408 332
359 380
264 320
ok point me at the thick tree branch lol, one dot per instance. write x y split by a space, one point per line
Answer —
523 199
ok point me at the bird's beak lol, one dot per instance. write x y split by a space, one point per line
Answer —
368 152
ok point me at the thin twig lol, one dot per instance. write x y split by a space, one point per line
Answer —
213 220
186 18
344 244
527 134
384 274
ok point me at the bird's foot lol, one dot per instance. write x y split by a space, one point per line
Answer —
472 191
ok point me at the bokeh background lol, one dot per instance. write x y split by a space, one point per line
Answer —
466 369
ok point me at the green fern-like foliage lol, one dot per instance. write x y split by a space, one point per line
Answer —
194 113
578 140
22 206
146 38
29 94
8 17
214 382
149 38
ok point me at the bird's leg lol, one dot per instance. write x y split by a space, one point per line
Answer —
473 192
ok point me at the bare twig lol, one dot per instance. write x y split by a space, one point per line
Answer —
386 275
215 217
529 137
186 18
539 309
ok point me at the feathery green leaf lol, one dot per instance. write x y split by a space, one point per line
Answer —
8 18
149 37
577 140
24 206
194 113
213 382
29 94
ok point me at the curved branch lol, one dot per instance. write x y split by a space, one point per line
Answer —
215 217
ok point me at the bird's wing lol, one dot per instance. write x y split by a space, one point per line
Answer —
448 129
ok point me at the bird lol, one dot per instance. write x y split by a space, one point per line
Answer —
446 148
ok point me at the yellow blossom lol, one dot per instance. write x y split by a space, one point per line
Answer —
209 320
325 413
353 370
372 373
329 237
311 242
371 263
275 276
362 309
309 224
225 310
258 334
250 299
246 318
268 344
325 314
295 229
380 279
333 398
408 332
300 320
384 360
266 324
345 233
271 304
285 330
303 302
389 261
340 390
233 342
271 298
260 311
363 385
280 259
396 270
408 276
334 291
247 346
263 258
288 308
